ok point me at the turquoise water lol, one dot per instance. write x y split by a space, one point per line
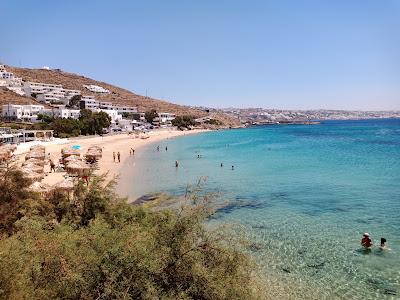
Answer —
304 193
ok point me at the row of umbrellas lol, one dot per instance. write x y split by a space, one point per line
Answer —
33 166
71 157
73 162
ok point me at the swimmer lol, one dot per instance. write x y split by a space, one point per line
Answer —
383 245
176 164
366 242
233 167
222 165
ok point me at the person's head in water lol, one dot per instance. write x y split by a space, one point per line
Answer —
366 241
383 242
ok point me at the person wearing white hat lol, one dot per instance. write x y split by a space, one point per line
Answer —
366 242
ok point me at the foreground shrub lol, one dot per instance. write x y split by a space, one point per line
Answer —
99 247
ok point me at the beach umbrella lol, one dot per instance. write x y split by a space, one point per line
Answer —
77 147
77 167
94 154
8 147
33 175
35 154
65 185
40 187
37 148
69 151
32 167
95 148
72 158
34 161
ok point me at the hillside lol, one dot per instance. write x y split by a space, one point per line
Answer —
7 96
118 95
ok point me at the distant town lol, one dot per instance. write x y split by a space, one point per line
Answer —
259 116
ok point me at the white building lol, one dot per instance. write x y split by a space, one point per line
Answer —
26 113
11 82
63 113
70 93
165 118
89 102
115 117
41 88
53 97
118 108
96 88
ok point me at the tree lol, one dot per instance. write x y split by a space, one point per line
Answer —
45 118
74 101
126 115
14 194
101 120
92 123
183 121
66 127
150 115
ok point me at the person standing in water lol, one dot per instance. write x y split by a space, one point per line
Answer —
366 242
222 165
176 164
158 148
383 245
114 156
233 168
166 148
133 151
119 157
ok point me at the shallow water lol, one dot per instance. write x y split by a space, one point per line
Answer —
306 195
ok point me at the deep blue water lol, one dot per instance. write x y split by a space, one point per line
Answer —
303 193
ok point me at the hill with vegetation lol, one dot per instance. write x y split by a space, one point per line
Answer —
117 95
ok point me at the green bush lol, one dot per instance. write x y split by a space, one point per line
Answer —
183 121
90 244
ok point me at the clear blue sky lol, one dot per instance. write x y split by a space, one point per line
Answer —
341 54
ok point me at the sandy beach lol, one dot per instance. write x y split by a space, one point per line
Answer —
113 143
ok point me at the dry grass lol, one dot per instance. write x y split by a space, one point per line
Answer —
7 96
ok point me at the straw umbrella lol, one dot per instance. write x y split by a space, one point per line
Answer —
35 154
32 168
34 161
77 167
66 185
40 187
72 158
37 147
93 156
9 147
33 175
69 151
96 148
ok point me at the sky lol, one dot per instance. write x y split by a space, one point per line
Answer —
289 54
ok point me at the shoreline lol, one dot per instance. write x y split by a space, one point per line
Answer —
109 144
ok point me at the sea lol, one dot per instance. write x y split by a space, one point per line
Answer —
304 195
